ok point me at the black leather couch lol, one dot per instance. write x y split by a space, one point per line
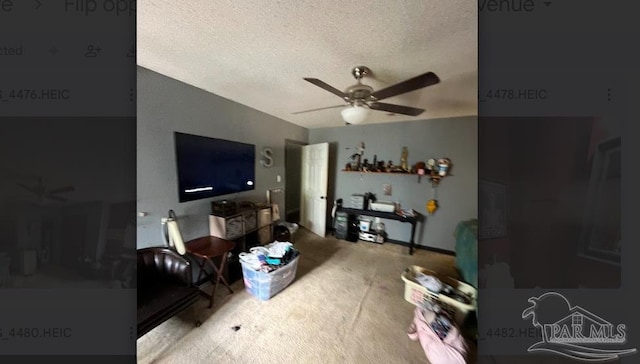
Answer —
165 287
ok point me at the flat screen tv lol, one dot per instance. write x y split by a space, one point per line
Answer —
209 167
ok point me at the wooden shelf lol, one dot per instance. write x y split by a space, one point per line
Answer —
399 173
435 179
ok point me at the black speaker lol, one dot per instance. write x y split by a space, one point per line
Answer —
281 233
234 272
353 229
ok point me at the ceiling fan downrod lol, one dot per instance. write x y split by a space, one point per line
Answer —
360 71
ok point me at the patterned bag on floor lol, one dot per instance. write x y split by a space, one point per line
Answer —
439 337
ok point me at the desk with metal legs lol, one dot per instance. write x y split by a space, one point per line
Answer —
206 249
413 220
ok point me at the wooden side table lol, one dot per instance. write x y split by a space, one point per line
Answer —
206 249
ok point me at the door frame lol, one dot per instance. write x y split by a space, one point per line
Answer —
326 146
287 182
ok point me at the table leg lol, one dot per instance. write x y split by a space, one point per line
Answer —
201 269
412 242
219 277
201 266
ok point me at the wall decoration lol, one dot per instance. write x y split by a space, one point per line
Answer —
432 206
492 208
267 157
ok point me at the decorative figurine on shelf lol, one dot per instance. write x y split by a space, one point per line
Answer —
438 169
420 169
365 165
356 158
443 166
431 165
404 165
355 162
361 148
359 154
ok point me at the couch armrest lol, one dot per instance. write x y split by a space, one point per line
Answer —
160 263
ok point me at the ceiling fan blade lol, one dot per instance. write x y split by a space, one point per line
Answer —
320 108
396 109
327 87
30 189
411 84
57 198
62 189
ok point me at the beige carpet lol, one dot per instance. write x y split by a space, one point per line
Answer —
346 305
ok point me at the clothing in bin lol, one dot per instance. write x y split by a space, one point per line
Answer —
270 257
270 269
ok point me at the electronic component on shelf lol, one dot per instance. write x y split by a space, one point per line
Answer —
383 206
357 201
367 236
224 207
365 224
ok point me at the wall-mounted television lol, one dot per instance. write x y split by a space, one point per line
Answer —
209 167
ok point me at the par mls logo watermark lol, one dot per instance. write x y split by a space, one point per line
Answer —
573 331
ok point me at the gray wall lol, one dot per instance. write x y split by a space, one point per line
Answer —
454 138
166 105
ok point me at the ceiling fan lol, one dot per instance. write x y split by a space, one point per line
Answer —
361 98
42 192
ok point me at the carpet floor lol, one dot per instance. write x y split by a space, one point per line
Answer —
346 305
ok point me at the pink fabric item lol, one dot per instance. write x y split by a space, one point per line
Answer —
452 350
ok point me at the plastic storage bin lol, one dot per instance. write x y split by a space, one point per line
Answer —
266 285
291 226
417 294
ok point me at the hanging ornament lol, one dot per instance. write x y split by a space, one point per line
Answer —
432 206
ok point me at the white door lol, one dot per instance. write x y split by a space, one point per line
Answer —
315 167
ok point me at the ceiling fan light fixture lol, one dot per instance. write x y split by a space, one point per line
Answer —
355 114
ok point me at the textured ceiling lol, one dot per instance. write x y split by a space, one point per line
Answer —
257 52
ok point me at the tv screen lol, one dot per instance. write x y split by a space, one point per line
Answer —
209 167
